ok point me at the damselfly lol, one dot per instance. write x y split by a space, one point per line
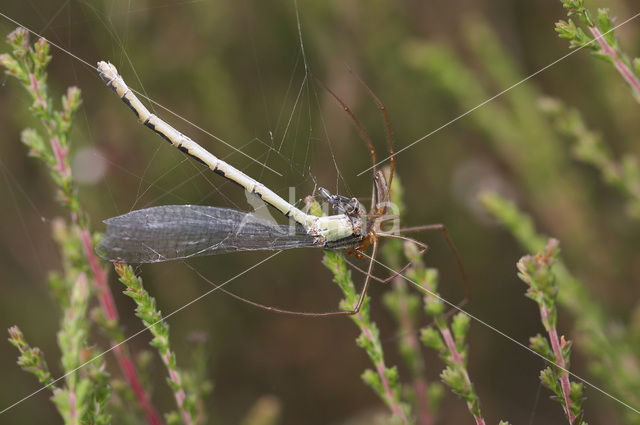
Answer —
174 232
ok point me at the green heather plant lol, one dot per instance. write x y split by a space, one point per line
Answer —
87 386
613 354
589 147
604 44
524 130
152 319
405 306
536 272
86 391
384 380
31 358
516 131
520 129
447 339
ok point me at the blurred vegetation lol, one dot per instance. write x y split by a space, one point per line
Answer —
236 69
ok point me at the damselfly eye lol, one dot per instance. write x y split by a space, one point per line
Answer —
353 206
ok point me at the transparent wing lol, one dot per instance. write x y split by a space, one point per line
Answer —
172 232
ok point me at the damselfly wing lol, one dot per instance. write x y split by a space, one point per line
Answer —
172 232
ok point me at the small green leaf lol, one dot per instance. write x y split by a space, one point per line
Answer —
432 339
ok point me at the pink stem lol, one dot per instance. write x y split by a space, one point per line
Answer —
35 86
419 384
60 154
451 346
424 415
100 277
556 345
179 394
456 357
381 368
111 313
129 371
622 68
73 413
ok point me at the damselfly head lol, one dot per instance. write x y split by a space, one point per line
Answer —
342 204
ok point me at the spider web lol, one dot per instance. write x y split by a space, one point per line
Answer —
294 138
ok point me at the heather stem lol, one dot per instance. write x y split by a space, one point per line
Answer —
601 27
28 64
129 371
107 303
449 338
381 369
410 337
458 360
152 319
536 272
562 365
179 393
410 345
384 380
622 68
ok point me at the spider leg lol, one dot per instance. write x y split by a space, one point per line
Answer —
266 307
387 124
359 126
364 272
423 249
387 279
447 236
452 247
355 310
367 279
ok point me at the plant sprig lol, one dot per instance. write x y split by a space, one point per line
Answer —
75 402
51 145
405 308
589 147
31 359
536 272
152 319
448 340
28 64
612 356
385 380
603 43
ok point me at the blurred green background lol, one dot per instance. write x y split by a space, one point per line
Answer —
236 69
